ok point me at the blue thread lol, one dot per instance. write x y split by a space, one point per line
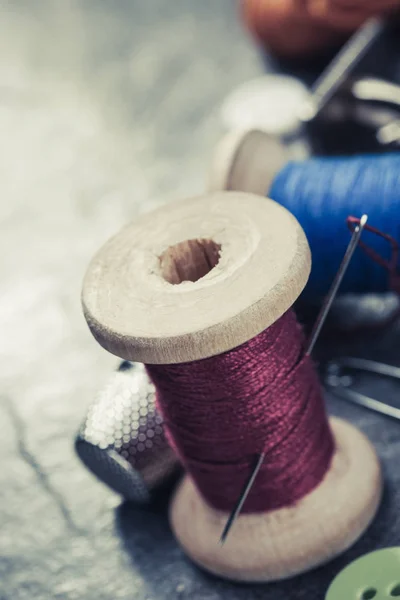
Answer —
321 193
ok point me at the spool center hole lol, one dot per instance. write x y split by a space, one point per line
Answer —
368 594
395 592
189 260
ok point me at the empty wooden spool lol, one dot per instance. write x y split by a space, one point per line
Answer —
195 279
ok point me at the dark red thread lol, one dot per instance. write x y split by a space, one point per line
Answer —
391 264
222 411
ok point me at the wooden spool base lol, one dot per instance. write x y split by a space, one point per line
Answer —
286 542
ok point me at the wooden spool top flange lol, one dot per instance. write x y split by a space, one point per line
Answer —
195 278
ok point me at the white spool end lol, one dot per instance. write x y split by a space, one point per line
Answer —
270 103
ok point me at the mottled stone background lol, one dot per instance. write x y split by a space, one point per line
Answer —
106 109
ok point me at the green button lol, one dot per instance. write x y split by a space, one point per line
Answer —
375 576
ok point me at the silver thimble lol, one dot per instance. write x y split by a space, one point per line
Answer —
122 439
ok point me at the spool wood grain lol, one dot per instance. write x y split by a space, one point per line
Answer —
251 261
247 161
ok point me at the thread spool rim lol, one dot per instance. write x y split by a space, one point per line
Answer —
199 332
224 157
247 161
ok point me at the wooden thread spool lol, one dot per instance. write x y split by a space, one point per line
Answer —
198 278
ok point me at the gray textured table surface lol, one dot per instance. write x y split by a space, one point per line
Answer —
106 109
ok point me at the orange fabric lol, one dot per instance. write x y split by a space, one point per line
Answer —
298 27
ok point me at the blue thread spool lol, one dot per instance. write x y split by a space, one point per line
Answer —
321 193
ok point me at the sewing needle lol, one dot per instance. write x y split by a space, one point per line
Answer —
235 513
316 330
341 66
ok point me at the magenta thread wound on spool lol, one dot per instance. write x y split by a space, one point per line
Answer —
279 410
200 291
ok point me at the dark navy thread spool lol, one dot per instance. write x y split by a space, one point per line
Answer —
121 440
321 193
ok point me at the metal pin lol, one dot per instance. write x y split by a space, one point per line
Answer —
355 238
341 66
334 381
